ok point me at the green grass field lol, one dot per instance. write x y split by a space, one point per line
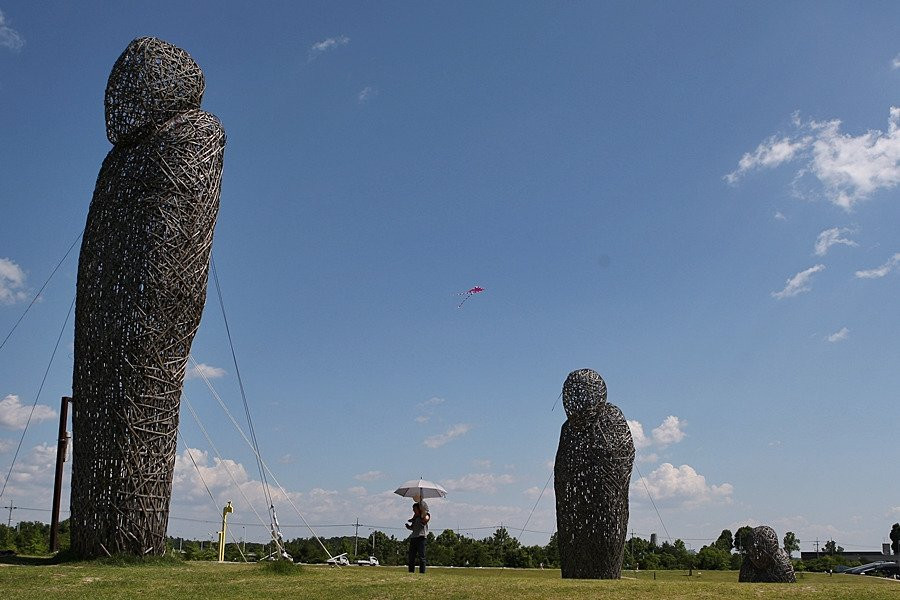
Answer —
38 580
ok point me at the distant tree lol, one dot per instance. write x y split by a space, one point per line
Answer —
895 538
831 547
791 543
712 558
725 541
650 562
551 550
742 538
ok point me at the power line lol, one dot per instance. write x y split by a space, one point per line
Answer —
37 397
536 501
38 294
649 495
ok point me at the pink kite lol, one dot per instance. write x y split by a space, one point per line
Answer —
468 294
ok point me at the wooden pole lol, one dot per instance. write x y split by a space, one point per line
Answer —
61 447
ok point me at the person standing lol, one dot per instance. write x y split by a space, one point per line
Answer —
418 527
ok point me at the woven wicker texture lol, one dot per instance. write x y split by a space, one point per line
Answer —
592 476
142 278
765 561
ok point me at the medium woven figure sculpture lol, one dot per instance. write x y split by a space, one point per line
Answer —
765 561
142 279
592 475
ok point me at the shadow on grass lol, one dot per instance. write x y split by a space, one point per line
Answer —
31 561
65 557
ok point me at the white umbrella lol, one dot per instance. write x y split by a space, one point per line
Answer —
421 488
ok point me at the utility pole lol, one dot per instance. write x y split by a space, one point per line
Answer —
356 539
61 447
817 547
11 508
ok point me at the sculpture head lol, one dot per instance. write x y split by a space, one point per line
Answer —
763 546
151 82
583 393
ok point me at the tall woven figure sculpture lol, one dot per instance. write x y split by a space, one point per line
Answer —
142 279
765 561
592 475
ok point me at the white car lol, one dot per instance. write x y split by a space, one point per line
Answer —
370 562
340 560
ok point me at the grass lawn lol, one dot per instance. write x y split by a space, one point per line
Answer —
42 581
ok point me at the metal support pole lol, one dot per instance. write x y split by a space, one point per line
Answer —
61 447
228 509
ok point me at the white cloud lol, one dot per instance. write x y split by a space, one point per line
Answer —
222 474
430 403
534 493
366 93
33 474
6 445
190 502
369 476
482 463
838 336
669 432
881 271
204 371
799 283
895 63
436 441
12 281
648 458
849 168
779 216
427 408
681 485
640 440
9 37
31 481
326 45
286 459
770 153
830 237
486 483
14 415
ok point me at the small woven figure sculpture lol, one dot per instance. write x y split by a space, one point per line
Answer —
142 280
765 561
592 475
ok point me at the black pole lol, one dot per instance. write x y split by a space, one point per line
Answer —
62 445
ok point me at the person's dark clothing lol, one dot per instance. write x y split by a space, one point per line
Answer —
417 549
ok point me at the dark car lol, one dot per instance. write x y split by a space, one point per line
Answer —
882 568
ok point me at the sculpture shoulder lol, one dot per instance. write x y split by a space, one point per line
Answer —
191 127
611 411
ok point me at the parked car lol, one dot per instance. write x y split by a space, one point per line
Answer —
881 568
368 562
340 560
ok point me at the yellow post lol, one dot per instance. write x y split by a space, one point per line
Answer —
225 511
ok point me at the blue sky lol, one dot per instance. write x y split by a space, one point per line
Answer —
697 201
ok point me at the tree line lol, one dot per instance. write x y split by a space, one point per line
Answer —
450 548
